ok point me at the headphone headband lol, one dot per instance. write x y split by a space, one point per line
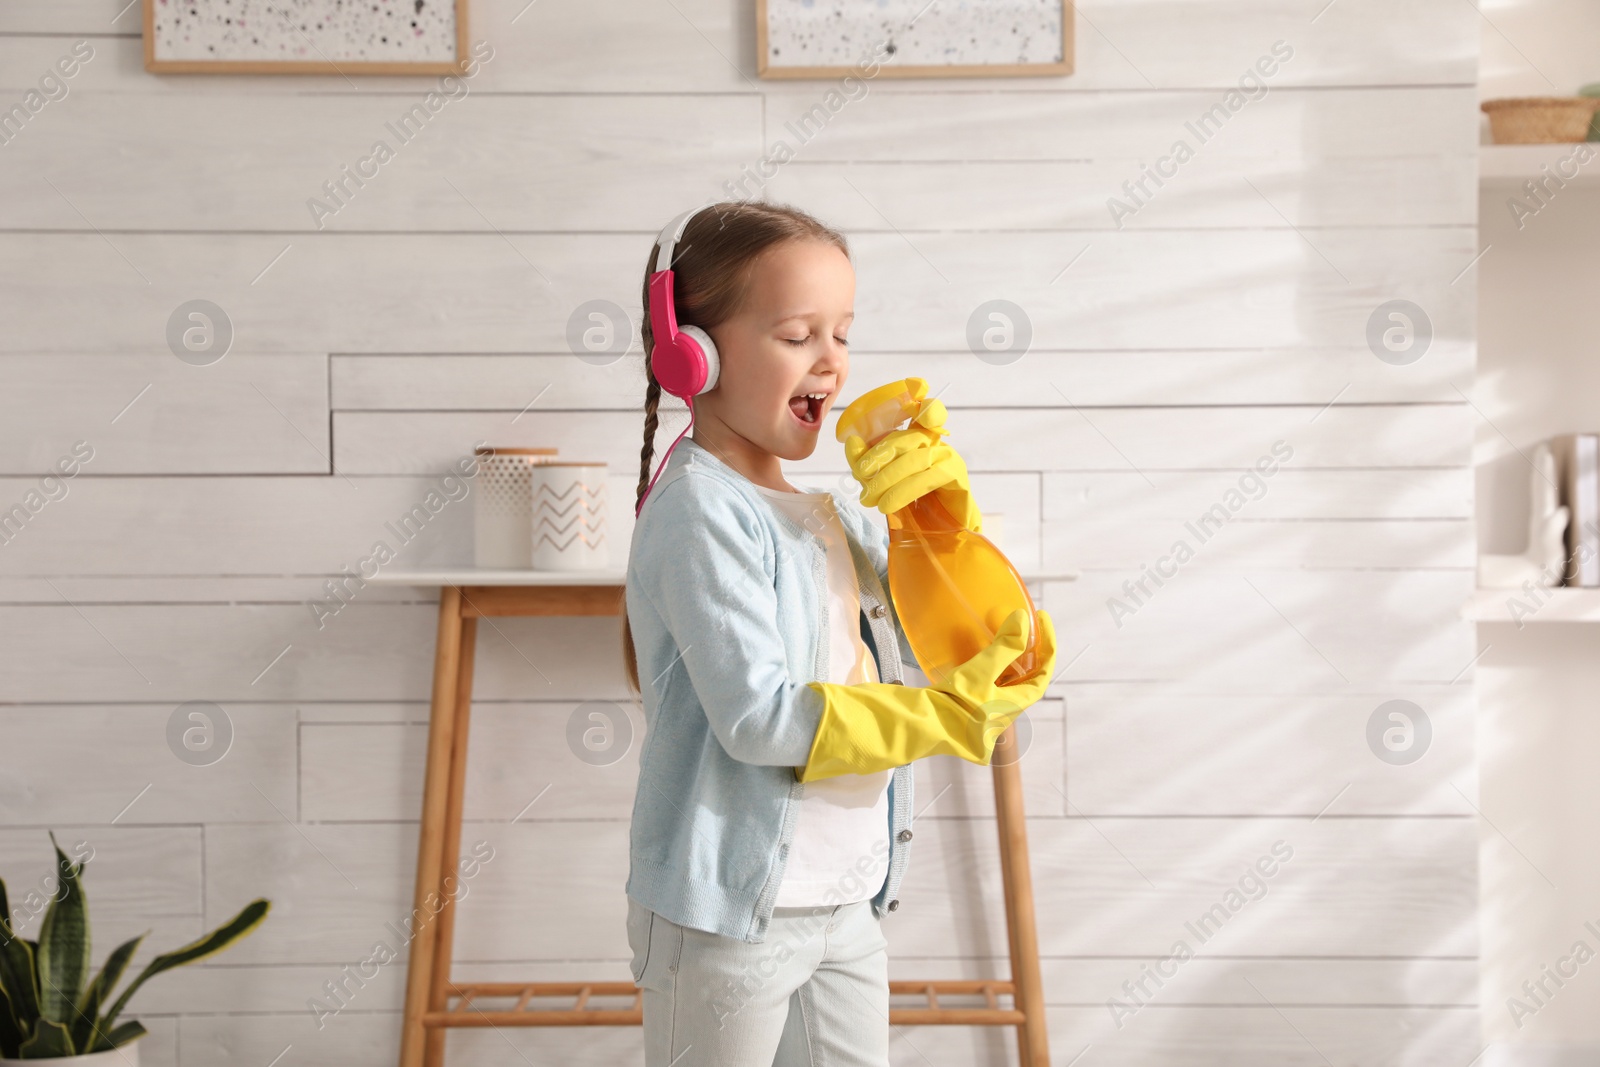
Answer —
671 234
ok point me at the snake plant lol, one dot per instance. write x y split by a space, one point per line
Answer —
46 1009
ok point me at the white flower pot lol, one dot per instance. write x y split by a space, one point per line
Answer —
122 1056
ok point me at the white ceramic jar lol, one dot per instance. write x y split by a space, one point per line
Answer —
501 534
567 517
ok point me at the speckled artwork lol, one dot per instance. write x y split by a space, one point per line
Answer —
822 33
310 31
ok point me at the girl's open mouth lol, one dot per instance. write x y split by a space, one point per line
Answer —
807 410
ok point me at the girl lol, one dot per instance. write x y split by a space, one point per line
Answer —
774 801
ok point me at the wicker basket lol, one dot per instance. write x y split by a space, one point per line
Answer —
1540 119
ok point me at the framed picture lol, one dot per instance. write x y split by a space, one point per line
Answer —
304 36
913 38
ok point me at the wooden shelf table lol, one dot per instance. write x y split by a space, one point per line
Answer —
434 1003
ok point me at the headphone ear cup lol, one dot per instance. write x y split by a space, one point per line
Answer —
709 348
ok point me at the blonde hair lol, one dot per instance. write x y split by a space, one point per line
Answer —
711 265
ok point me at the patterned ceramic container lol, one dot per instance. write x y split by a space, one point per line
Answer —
501 532
568 518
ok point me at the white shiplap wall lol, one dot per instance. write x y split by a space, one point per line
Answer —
430 312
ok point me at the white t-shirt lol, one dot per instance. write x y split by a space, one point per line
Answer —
843 821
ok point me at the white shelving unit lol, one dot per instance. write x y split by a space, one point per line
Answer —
1505 168
1551 605
1508 166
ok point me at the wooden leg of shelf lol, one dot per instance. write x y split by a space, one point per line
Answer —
430 837
1033 1042
450 855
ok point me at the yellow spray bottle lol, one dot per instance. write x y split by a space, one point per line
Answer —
951 587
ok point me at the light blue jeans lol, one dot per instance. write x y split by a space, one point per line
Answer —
815 993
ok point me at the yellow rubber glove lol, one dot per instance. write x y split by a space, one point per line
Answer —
874 726
911 462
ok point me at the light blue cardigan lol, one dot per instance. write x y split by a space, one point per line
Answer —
728 603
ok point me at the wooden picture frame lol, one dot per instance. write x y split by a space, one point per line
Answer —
334 63
765 68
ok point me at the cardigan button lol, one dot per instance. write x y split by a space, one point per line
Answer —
879 611
893 904
905 835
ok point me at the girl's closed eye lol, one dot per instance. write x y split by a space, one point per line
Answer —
802 340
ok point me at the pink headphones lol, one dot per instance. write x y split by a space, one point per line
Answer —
683 358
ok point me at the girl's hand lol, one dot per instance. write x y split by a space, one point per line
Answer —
912 462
